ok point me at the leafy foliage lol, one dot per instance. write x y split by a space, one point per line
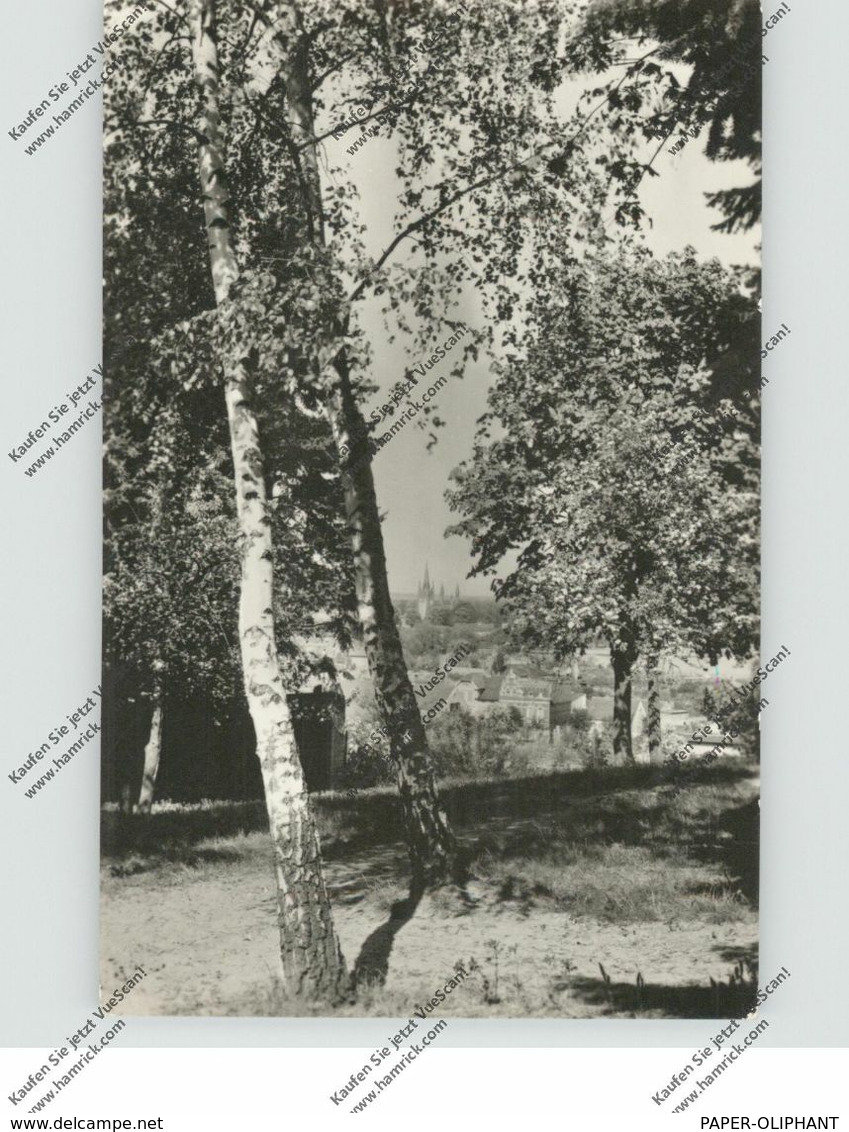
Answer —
732 713
703 67
173 556
497 188
464 744
615 540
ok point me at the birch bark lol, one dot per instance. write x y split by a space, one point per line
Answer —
433 850
311 956
152 753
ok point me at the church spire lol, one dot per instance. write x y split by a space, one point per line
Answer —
425 595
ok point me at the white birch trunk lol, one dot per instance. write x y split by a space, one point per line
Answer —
152 754
433 849
312 961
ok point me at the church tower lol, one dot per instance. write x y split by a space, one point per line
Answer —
425 595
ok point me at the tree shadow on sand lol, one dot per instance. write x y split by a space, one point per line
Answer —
372 965
735 998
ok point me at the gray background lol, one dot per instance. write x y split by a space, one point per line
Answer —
51 566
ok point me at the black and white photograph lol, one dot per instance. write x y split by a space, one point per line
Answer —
424 564
433 365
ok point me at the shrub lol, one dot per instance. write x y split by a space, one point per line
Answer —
596 746
724 706
595 759
579 721
369 762
463 744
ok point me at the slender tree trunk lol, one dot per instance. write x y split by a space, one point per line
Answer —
623 664
312 961
653 673
152 752
433 850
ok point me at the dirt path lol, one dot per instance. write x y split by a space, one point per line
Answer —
207 938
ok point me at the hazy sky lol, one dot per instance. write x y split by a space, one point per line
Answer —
410 480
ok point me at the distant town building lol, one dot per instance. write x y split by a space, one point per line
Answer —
543 703
466 692
599 711
425 595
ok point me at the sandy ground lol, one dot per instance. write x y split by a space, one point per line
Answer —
207 939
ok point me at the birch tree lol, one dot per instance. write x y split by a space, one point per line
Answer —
311 956
432 847
153 747
493 170
171 337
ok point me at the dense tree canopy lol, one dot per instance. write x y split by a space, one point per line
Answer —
718 45
238 261
614 460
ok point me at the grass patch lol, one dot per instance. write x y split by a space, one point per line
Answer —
614 883
612 845
588 885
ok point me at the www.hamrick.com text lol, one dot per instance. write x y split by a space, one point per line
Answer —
55 739
59 415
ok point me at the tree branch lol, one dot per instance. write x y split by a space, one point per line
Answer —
316 83
155 65
388 107
170 122
176 15
241 53
632 192
482 183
